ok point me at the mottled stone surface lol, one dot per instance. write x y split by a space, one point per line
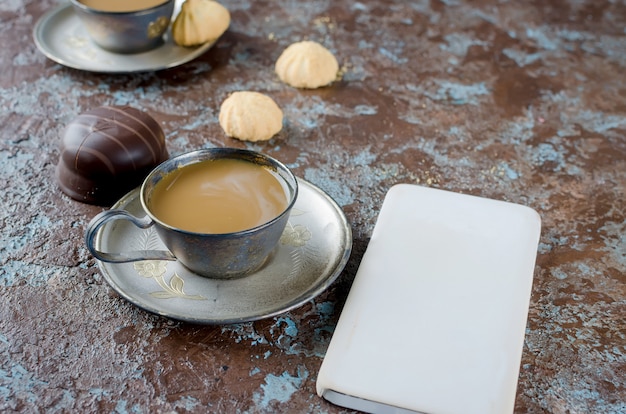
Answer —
514 100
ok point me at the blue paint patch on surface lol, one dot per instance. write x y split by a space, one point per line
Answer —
279 388
99 393
457 132
545 153
393 56
359 6
601 122
458 94
244 332
541 39
323 178
552 242
518 132
198 122
326 309
254 371
579 392
180 141
364 44
18 379
187 402
613 355
451 2
23 235
16 272
13 161
120 407
585 269
310 110
458 44
484 16
611 47
291 328
365 110
572 35
412 117
614 236
60 93
25 58
559 274
421 6
522 59
364 157
509 172
574 170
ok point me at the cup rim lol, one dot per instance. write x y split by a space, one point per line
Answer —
225 151
87 9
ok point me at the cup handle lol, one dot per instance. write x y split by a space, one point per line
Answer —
143 223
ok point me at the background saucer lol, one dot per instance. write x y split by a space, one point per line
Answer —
311 254
60 36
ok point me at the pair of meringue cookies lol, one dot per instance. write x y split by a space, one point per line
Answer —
253 116
302 65
246 115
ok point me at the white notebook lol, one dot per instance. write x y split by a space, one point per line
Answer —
435 319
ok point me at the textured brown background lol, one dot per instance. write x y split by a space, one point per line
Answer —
522 101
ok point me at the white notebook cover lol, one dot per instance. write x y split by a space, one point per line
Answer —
435 319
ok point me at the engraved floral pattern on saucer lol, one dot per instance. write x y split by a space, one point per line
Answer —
312 252
61 37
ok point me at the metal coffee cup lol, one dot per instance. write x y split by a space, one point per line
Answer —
222 255
133 31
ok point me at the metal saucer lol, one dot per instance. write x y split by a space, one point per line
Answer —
61 37
311 254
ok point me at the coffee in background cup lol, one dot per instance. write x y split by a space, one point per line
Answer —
121 6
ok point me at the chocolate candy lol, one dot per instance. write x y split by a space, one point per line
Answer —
107 151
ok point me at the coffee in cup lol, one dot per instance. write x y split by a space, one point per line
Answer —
219 211
218 196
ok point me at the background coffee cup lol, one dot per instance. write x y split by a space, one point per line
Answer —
222 255
125 26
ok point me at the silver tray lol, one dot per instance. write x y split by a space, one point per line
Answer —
311 254
60 36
